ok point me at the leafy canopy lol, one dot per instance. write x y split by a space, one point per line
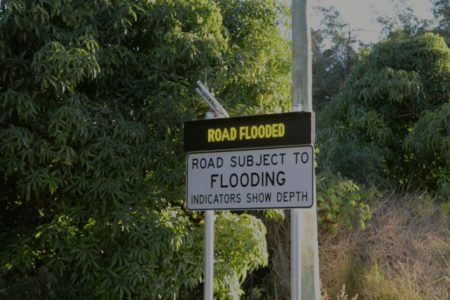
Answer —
376 127
93 96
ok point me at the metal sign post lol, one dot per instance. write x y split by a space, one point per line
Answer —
254 133
217 111
244 163
208 289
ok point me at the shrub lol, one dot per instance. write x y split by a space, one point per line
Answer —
388 125
342 202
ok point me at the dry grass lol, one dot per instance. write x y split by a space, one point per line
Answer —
404 253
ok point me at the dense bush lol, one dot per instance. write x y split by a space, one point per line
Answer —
342 203
379 128
93 96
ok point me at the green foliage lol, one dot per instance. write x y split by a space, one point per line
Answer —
430 143
441 11
404 22
370 126
93 96
334 46
257 76
342 203
241 247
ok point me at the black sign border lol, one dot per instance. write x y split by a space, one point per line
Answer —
194 138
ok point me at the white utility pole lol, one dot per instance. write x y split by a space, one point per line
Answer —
304 241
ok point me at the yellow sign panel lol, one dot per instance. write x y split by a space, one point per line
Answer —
261 131
253 132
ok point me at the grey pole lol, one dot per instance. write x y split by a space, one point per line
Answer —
217 111
302 57
208 288
304 241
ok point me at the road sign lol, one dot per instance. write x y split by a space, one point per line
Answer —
251 179
262 131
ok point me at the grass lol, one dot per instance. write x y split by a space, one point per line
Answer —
404 253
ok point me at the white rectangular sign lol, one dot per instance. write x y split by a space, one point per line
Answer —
251 179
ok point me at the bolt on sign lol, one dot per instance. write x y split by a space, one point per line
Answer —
257 162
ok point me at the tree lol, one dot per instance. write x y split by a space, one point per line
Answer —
441 11
404 23
375 127
93 97
335 52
